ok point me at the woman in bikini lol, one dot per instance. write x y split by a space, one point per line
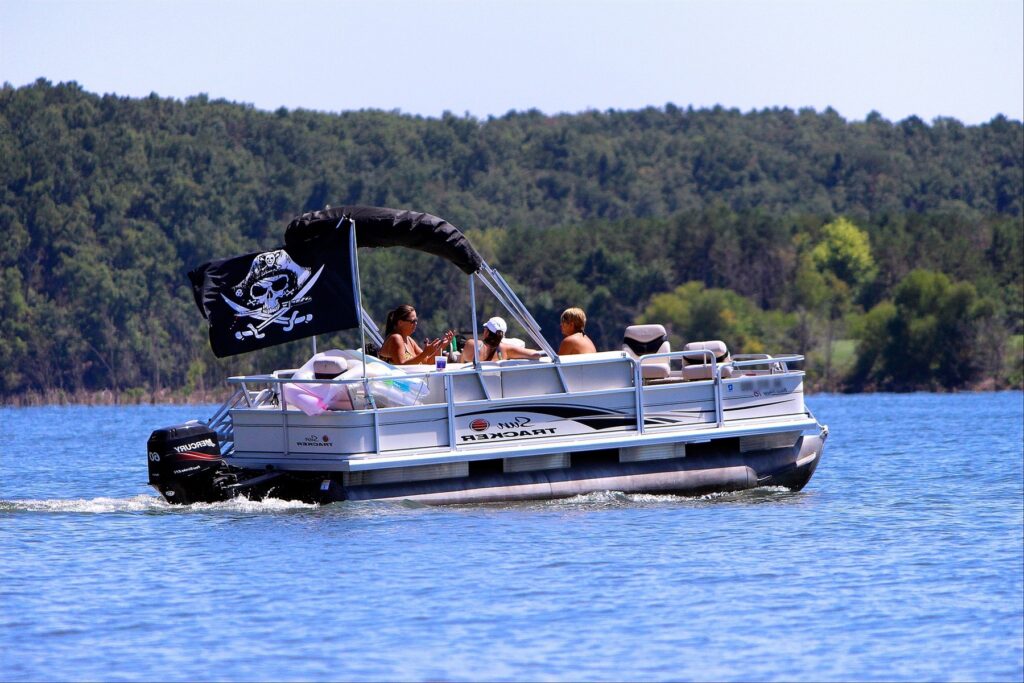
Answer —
400 348
493 347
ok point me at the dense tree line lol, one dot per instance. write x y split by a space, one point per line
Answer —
775 229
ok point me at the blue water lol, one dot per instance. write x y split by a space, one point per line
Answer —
903 559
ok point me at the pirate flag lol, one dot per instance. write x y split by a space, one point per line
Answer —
272 297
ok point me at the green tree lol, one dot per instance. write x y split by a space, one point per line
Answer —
693 313
927 338
844 261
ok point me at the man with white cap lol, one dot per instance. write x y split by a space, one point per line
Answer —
493 345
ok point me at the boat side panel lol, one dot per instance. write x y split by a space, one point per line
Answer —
768 396
615 374
541 380
545 417
294 433
743 398
422 428
685 403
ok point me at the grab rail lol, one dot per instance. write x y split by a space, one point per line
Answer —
776 363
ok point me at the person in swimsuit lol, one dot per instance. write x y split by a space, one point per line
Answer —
493 346
575 340
400 348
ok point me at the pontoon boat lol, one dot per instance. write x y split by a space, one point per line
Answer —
348 426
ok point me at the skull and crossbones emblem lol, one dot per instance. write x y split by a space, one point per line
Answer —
274 285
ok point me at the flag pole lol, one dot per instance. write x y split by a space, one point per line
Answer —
359 288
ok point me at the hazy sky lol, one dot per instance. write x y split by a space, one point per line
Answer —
927 58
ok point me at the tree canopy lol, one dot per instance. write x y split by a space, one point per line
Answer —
109 201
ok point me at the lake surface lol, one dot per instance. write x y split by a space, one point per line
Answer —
903 559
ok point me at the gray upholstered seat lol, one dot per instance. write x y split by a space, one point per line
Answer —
698 366
642 340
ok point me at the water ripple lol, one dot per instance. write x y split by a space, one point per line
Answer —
902 560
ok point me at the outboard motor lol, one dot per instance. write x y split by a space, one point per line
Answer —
185 464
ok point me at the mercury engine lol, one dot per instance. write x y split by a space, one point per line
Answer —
185 464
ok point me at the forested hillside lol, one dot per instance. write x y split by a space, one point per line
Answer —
890 252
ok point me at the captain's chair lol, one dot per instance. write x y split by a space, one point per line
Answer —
641 340
698 366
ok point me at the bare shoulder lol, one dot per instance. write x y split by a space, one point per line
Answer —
392 345
468 351
576 343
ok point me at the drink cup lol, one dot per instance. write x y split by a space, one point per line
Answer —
440 362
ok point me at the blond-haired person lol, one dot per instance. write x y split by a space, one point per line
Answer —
575 340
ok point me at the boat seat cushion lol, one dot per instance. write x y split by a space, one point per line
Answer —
641 340
703 371
716 347
697 367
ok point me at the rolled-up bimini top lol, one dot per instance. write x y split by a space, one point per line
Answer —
381 227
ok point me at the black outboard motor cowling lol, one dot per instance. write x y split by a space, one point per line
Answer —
185 464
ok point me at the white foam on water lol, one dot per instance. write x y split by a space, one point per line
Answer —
150 503
245 505
147 503
760 491
619 497
140 503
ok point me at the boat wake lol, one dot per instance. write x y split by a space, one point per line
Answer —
147 504
764 493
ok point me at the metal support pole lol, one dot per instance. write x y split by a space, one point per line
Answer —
362 332
371 328
359 288
638 387
716 372
504 294
472 308
449 390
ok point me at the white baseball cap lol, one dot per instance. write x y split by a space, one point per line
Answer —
496 325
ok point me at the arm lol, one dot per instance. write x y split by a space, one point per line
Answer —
435 347
511 351
423 355
393 351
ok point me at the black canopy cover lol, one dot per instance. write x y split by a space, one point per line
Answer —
380 227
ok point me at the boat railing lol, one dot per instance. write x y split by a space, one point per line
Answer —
221 422
774 364
275 395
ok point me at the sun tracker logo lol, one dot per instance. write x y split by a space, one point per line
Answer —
314 441
479 425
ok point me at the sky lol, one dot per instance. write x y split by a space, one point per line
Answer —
927 58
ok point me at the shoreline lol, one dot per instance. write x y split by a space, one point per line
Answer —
108 397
